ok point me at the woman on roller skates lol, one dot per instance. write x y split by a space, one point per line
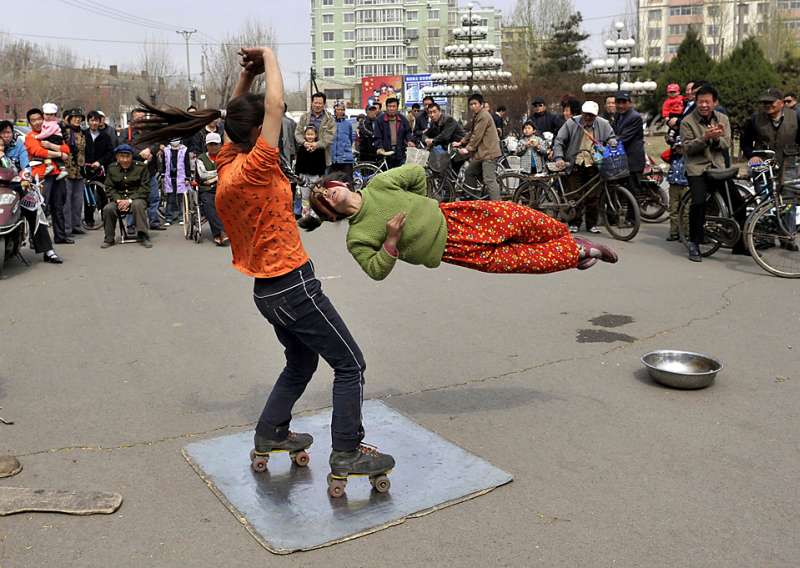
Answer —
254 201
392 218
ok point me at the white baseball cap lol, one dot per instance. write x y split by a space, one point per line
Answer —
50 108
590 107
213 138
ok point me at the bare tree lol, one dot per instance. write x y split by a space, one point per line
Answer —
718 21
776 39
223 59
536 19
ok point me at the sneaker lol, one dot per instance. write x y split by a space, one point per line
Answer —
181 222
167 223
597 251
573 228
694 253
594 229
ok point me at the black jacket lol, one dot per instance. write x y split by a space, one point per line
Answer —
630 131
100 149
547 122
421 124
445 131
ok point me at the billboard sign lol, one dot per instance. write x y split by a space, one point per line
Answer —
378 89
413 89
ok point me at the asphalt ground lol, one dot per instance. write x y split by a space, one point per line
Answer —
113 362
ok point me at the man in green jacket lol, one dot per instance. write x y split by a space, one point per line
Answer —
483 143
127 187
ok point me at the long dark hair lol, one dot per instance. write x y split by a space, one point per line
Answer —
163 124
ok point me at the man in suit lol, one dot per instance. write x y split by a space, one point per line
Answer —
629 128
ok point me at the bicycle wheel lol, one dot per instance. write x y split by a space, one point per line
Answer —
363 172
439 188
620 212
197 219
510 182
715 207
652 202
97 193
773 249
187 211
538 195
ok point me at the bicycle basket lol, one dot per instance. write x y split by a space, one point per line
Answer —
417 156
615 163
514 163
438 162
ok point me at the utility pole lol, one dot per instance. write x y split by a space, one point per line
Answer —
187 34
204 64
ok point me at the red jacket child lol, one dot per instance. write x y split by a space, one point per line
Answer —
673 105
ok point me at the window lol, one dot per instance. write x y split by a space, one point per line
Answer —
349 71
792 24
412 16
433 14
712 31
412 69
412 33
654 34
349 18
672 49
763 8
349 2
327 18
328 72
654 16
713 11
327 54
349 53
433 33
327 2
788 4
433 51
327 36
695 10
654 52
678 29
761 28
412 52
350 36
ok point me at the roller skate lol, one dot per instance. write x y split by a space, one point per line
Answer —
295 443
364 461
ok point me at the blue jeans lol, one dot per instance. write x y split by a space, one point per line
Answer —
308 326
152 203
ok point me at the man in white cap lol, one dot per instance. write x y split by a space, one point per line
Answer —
574 148
207 186
108 129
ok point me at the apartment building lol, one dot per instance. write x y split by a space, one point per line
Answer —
722 24
352 39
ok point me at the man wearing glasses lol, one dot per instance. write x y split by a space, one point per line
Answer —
543 120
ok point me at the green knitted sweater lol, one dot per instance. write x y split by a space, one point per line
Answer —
402 189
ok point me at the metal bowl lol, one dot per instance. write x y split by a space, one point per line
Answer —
682 369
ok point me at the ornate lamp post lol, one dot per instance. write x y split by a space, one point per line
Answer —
618 63
471 65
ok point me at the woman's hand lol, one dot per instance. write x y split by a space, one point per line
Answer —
253 59
394 228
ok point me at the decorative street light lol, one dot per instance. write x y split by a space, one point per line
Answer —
471 66
618 63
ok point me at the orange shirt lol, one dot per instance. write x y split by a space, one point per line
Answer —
38 152
254 201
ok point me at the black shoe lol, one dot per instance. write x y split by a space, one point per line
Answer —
740 251
672 238
107 244
145 242
78 232
158 228
53 259
66 241
694 253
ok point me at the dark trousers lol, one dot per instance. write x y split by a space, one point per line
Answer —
635 185
589 208
308 326
55 197
41 236
111 213
700 187
174 207
398 158
207 202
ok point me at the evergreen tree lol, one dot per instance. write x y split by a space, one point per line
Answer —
741 78
691 63
788 68
562 52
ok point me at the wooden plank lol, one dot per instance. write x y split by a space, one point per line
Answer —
24 499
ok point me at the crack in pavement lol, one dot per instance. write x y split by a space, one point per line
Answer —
724 295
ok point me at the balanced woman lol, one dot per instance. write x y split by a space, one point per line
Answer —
392 219
254 200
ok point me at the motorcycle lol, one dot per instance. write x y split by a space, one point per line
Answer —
13 229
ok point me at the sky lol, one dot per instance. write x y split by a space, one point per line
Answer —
214 19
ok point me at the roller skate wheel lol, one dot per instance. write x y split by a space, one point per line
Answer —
301 458
336 487
380 483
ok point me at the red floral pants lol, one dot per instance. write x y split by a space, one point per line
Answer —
500 236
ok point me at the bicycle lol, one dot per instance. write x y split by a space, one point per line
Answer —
619 210
94 196
363 172
450 184
193 219
720 227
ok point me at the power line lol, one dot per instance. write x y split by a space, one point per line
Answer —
110 14
137 42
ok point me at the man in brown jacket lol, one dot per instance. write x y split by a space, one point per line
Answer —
483 143
706 136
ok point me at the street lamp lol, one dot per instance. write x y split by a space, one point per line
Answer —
619 62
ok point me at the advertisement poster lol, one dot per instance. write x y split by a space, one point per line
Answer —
378 89
413 90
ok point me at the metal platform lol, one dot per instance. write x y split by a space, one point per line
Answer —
288 509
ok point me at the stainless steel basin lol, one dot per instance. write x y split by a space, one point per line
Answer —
682 369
